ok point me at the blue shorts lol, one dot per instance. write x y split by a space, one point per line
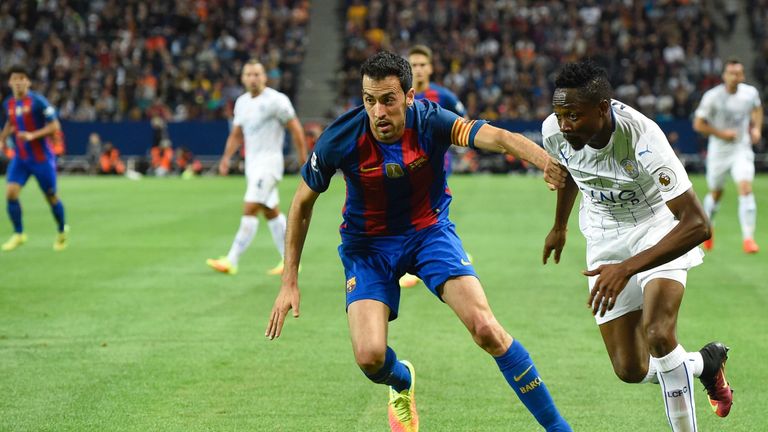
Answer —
373 265
45 173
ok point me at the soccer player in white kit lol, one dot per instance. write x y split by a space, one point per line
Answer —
643 224
261 116
732 115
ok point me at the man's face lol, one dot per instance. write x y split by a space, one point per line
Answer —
733 75
579 120
254 78
386 104
421 66
19 84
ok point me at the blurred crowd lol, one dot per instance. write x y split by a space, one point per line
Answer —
758 27
115 60
499 57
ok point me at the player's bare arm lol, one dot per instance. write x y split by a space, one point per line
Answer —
692 229
502 141
555 240
5 133
756 125
297 137
299 217
234 141
703 127
47 130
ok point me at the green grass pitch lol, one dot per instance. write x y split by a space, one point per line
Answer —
128 330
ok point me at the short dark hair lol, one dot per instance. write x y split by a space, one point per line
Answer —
385 64
589 79
18 69
731 61
421 49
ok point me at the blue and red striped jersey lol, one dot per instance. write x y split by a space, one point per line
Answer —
29 113
392 189
444 97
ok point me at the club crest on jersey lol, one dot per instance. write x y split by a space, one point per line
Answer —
630 168
665 179
394 170
351 284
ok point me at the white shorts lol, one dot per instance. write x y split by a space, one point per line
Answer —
616 249
740 164
262 189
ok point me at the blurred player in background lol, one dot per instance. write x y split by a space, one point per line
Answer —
31 122
732 116
420 58
261 116
643 224
395 219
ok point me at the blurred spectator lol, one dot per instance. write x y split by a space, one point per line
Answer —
93 152
109 60
110 162
161 158
187 164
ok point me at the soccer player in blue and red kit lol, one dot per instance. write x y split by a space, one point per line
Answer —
31 121
395 219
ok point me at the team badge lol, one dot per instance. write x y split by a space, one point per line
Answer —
630 168
665 179
394 170
313 162
351 284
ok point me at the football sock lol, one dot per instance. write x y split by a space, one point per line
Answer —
393 373
277 228
747 215
518 369
710 207
695 363
58 213
243 238
676 379
14 211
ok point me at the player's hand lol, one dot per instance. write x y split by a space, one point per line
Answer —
287 299
554 174
611 280
728 135
24 135
555 241
224 167
755 134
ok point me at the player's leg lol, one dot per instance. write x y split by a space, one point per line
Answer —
17 177
45 173
743 173
466 297
276 223
717 167
372 301
662 298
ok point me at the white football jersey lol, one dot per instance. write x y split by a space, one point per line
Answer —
263 120
628 181
723 110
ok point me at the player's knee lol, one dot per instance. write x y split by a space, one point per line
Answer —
370 360
488 333
660 338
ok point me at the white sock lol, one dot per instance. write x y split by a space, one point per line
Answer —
676 379
710 207
277 227
694 361
747 215
246 232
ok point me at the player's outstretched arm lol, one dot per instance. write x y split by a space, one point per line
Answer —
502 141
49 129
555 240
234 141
692 229
5 133
297 137
701 126
756 126
299 217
